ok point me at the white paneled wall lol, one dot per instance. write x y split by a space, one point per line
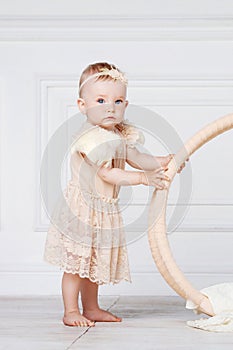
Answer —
179 64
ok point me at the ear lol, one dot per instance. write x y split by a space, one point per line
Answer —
126 103
81 105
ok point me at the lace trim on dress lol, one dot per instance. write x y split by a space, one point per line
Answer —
93 243
76 259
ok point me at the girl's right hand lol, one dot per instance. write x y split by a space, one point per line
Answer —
155 178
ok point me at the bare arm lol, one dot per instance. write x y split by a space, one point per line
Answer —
144 161
122 177
117 176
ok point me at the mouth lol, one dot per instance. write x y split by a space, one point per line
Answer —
110 117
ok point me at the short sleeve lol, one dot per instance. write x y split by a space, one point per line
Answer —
99 145
132 135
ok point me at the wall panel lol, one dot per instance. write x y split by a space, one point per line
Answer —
179 67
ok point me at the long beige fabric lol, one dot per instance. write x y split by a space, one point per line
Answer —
157 233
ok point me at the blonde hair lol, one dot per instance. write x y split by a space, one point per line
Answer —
95 68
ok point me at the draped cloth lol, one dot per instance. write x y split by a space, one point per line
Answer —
221 299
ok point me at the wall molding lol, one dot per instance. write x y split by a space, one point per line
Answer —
119 28
1 149
48 82
42 267
35 280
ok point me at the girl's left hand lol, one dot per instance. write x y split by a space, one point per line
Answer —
164 161
182 165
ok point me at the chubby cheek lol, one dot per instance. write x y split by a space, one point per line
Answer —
120 111
95 111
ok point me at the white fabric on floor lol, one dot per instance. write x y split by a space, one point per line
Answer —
221 299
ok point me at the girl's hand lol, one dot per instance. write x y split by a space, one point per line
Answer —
182 166
155 178
164 161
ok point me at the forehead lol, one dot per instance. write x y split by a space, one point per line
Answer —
106 87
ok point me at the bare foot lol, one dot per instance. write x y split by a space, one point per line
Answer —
74 318
100 315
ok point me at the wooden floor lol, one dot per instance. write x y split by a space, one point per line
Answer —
148 323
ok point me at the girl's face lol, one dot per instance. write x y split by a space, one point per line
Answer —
103 102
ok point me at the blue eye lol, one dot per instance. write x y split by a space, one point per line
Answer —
100 100
118 102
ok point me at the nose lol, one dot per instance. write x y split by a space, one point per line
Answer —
110 107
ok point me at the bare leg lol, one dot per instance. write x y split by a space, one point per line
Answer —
91 309
70 292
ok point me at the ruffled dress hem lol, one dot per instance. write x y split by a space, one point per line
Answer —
73 271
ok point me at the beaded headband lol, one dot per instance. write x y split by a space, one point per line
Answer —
113 73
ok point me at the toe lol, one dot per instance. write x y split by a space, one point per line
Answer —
119 319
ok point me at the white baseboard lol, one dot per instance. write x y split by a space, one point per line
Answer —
39 280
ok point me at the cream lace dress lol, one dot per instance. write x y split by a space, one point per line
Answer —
86 234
